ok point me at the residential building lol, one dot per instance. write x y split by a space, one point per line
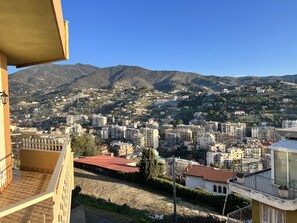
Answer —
184 135
204 139
122 149
180 166
211 126
289 124
75 128
130 132
40 191
211 179
103 133
151 137
138 140
218 159
99 120
152 124
264 133
273 190
117 132
217 147
171 139
79 119
234 129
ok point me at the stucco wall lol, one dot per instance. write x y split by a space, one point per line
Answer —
37 160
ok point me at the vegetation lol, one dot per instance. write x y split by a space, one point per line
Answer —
83 145
194 196
148 165
138 215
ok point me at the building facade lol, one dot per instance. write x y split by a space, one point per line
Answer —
273 190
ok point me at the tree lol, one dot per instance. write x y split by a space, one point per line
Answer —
83 145
148 165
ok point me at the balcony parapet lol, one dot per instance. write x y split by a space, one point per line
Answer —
61 183
259 186
241 215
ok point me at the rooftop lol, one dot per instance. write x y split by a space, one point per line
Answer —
111 163
286 145
209 173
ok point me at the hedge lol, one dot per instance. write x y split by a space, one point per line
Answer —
196 196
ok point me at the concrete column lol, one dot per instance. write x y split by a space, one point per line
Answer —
5 145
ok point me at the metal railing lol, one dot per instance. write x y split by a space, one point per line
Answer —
240 215
259 182
61 184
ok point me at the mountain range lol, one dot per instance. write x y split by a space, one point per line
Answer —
52 77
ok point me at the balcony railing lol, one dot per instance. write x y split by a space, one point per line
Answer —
58 193
240 216
261 182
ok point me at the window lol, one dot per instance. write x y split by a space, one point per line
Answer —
214 188
293 166
280 167
220 189
224 190
272 215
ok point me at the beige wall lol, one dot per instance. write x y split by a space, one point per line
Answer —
5 149
38 160
291 216
255 211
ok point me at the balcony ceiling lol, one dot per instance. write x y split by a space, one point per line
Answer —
32 32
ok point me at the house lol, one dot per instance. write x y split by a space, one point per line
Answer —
273 190
211 179
239 112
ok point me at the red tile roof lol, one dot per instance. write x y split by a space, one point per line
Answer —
111 163
208 173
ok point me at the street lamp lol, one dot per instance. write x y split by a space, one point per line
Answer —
4 97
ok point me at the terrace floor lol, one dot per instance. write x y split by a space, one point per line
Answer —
26 184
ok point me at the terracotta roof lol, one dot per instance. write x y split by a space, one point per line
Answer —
111 163
266 143
209 173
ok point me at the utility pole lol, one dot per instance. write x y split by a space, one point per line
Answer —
174 189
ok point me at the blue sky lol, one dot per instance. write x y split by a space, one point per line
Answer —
212 37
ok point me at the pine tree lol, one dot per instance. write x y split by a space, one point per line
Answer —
148 165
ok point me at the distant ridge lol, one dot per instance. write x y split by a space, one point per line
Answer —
53 77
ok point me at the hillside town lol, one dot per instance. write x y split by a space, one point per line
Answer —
124 122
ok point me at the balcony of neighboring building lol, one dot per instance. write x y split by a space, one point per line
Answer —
277 186
261 187
242 215
41 188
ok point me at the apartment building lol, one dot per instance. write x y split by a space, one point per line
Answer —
234 129
99 120
273 190
289 124
264 133
151 137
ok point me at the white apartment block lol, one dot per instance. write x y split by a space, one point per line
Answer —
234 129
218 158
99 121
264 133
204 139
151 137
289 124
